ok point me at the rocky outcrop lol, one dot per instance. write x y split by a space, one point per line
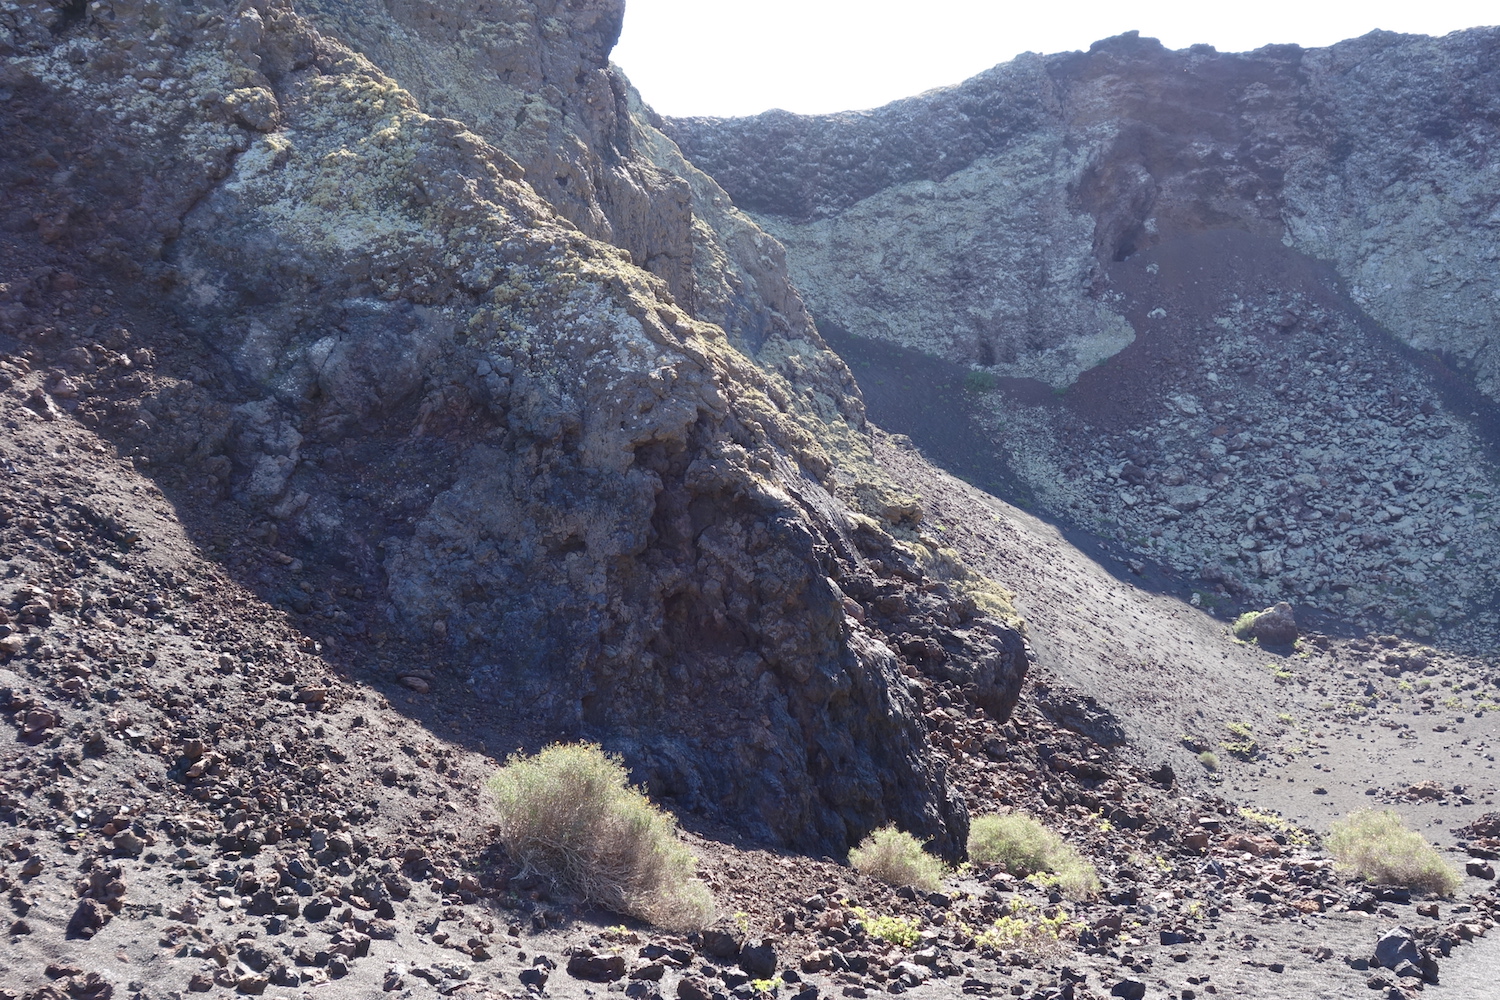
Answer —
941 223
532 78
1274 626
387 330
1218 264
1368 154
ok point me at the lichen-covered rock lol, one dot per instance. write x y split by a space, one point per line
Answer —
532 78
430 376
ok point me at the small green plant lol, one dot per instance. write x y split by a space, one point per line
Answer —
1377 846
766 986
1026 847
569 813
1027 929
1243 624
1294 834
896 857
1244 746
980 380
899 931
1209 760
742 923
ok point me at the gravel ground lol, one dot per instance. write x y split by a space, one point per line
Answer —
198 797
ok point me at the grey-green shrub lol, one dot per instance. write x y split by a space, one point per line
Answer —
1376 845
980 380
1026 847
570 813
896 857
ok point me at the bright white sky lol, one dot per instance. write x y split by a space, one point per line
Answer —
733 57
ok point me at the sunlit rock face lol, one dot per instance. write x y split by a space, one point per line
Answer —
446 307
1261 289
1369 154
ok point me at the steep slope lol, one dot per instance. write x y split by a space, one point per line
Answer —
347 448
454 435
1259 288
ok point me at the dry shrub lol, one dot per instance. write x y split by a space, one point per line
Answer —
896 857
1376 845
1025 847
570 813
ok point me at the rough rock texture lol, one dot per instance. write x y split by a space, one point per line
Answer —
1370 153
1208 259
336 464
942 222
387 350
532 79
1275 626
1270 442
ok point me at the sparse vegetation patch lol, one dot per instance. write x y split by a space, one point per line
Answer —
1243 624
899 931
1026 847
980 380
896 857
1029 929
1294 835
569 813
1376 845
1244 744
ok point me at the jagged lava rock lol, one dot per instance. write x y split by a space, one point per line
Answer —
1217 263
581 499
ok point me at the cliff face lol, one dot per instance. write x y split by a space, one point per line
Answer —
533 79
1261 289
1370 154
424 314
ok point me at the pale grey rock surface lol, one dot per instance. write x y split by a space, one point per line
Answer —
1146 232
532 78
1369 153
